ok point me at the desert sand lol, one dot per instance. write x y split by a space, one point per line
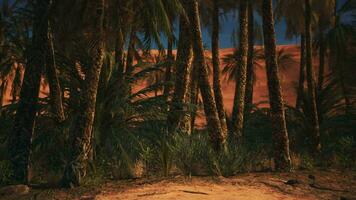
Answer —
328 185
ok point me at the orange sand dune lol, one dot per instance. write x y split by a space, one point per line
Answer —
288 77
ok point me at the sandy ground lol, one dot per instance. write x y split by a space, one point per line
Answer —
255 186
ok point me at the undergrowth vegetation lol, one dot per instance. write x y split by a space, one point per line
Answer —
131 139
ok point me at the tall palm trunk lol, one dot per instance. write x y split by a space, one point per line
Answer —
183 68
240 88
76 168
119 54
2 93
321 62
53 81
217 136
120 43
279 130
216 68
340 74
24 124
315 134
130 52
16 85
250 66
194 93
300 95
168 74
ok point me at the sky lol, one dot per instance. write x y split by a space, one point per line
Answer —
229 23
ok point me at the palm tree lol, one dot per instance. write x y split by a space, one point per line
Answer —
53 80
290 12
170 60
324 11
183 70
216 66
315 132
338 39
240 88
279 129
300 89
120 40
284 60
24 124
82 134
250 66
217 136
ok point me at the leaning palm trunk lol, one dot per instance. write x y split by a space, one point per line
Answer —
250 67
216 68
130 53
217 136
2 93
24 124
76 168
321 62
240 88
279 130
314 121
168 73
119 55
176 120
194 94
300 92
53 81
119 45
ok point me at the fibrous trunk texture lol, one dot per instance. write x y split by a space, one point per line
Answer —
217 136
216 68
56 97
81 145
168 73
321 62
178 108
24 124
238 110
250 66
314 121
279 130
300 95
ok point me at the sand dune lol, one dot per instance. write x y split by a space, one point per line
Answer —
289 78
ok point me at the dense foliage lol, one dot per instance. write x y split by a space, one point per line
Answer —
130 135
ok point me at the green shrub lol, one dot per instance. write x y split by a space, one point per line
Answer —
6 172
191 152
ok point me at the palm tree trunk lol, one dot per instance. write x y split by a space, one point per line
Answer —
240 88
120 44
194 93
119 54
168 74
300 95
216 68
183 68
315 134
217 136
2 93
24 124
130 52
321 62
76 168
16 85
250 66
279 130
53 81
